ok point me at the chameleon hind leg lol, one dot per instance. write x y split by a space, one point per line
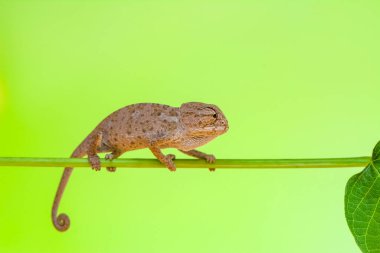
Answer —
93 158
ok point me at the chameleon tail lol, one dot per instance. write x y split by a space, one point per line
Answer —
62 221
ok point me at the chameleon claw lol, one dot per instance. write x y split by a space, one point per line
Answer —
170 163
210 159
111 169
95 162
110 157
170 157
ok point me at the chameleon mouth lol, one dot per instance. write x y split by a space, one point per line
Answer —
222 129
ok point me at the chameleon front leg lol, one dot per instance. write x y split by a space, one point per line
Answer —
115 154
165 159
93 158
200 155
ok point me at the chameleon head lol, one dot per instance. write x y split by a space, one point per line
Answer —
203 119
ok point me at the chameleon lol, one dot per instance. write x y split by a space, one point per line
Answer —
146 125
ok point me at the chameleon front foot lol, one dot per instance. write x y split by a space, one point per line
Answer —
169 162
200 155
210 159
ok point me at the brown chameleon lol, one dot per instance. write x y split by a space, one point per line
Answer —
153 126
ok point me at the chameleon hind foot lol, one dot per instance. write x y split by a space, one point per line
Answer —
95 162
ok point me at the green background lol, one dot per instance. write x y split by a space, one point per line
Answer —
295 79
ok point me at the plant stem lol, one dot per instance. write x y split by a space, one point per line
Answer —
191 163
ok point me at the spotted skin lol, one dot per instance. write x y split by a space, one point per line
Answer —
147 125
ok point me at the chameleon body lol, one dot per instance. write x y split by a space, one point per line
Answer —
147 125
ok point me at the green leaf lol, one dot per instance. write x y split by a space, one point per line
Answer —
362 205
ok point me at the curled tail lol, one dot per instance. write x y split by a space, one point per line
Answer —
62 221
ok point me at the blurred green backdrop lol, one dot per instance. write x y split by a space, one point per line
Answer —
296 79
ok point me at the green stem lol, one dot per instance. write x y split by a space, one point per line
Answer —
192 163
